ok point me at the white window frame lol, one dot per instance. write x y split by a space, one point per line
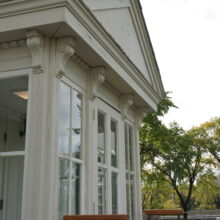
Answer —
72 160
110 114
7 75
133 172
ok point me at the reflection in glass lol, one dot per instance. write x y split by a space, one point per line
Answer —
101 191
101 137
64 126
13 112
126 147
63 187
76 190
132 195
114 193
129 156
131 165
11 183
128 193
76 123
114 143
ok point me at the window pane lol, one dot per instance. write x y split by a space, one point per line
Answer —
131 148
101 137
76 190
63 187
114 143
132 195
127 193
13 111
76 123
126 147
114 193
101 191
11 183
64 122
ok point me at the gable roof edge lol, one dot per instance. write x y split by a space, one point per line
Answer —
143 32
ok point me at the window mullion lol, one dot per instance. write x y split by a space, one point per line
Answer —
108 163
70 161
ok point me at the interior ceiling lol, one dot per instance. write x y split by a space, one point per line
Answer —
11 104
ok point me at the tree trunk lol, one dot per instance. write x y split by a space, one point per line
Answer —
185 215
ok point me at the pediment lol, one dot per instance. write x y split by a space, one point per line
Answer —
120 19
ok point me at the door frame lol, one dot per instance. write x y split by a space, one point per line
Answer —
7 75
110 113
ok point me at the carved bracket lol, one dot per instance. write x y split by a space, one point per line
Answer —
125 102
65 50
35 42
141 113
97 77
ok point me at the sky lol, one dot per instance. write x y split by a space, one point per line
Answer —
186 39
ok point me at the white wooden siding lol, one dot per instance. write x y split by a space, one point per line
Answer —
118 22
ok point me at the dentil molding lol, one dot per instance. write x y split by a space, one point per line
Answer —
65 50
78 60
12 44
125 102
97 77
35 42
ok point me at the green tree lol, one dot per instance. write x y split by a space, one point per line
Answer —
171 151
207 190
156 191
207 135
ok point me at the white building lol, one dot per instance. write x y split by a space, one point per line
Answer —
76 78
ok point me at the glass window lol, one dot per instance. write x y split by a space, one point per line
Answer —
13 111
114 193
114 143
64 187
70 147
76 123
76 188
129 162
108 157
101 137
101 191
64 126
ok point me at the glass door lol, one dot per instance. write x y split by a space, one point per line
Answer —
13 111
108 131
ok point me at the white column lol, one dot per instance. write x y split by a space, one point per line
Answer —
140 114
40 180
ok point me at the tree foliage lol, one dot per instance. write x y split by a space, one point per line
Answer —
172 152
207 191
207 135
157 192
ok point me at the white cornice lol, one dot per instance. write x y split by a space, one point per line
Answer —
12 44
96 29
111 88
122 64
147 47
78 60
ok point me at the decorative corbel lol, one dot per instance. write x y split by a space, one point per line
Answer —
97 76
35 42
125 102
65 50
140 113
